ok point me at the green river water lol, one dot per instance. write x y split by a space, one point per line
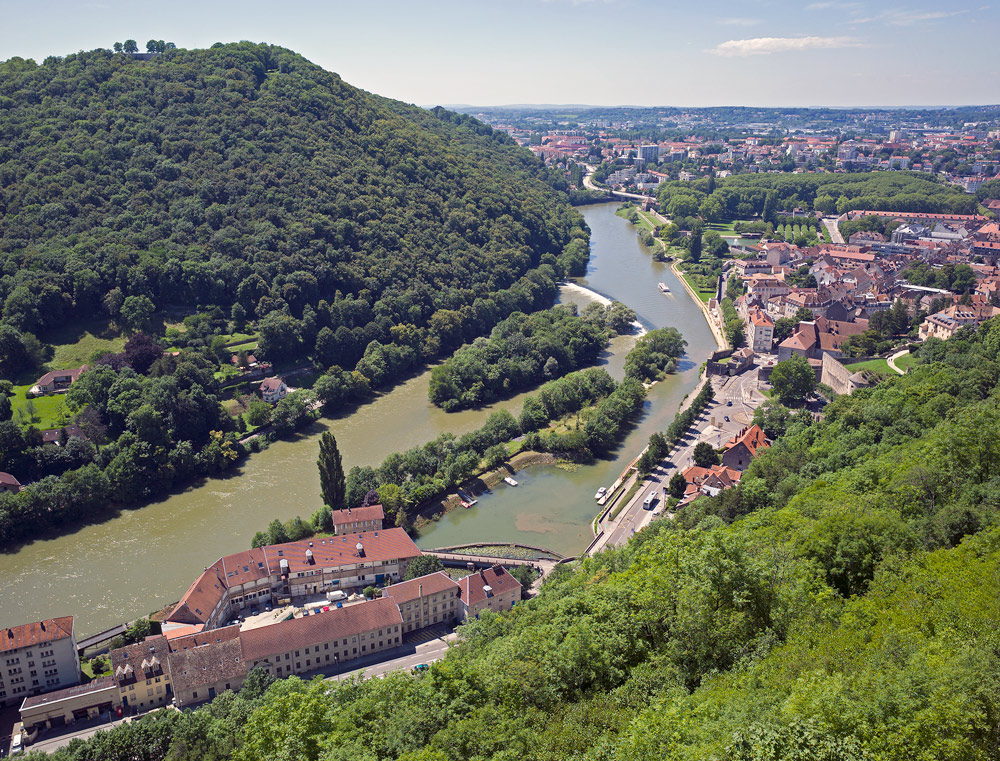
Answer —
145 558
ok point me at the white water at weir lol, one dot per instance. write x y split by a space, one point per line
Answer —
145 558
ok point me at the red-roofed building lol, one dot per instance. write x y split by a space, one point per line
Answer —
273 390
708 481
426 600
37 657
279 572
323 639
761 333
493 589
353 520
9 483
142 674
58 380
743 447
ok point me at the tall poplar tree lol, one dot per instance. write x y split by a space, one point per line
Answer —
331 472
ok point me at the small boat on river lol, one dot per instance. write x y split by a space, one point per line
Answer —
663 287
601 492
510 480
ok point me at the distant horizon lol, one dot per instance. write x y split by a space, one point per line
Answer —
582 106
766 52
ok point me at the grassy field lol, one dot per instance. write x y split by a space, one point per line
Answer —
43 412
877 366
705 296
74 345
905 362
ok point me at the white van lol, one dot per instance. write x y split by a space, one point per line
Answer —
649 500
17 741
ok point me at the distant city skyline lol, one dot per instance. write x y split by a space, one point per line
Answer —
601 52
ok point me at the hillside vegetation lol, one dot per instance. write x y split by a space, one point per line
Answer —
839 604
248 193
245 175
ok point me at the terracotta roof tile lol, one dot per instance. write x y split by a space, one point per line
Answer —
431 584
497 578
358 515
36 633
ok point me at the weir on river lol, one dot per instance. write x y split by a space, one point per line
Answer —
145 558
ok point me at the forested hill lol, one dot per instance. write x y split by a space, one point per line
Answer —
245 175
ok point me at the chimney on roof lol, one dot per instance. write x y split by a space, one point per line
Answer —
361 550
309 557
488 590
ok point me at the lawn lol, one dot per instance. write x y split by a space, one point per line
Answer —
705 296
877 366
905 362
43 412
722 228
75 344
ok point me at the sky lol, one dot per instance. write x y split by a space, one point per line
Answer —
600 52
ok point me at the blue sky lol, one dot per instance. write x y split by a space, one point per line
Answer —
639 52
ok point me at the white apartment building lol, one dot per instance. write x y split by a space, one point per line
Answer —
37 657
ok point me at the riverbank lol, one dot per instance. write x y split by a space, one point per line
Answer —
479 485
720 338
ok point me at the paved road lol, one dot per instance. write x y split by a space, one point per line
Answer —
831 227
741 390
425 652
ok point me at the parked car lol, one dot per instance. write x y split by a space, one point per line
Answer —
726 418
420 667
729 403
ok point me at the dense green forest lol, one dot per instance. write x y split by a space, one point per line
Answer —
524 350
839 604
747 195
240 190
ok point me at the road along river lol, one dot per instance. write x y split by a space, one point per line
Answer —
145 558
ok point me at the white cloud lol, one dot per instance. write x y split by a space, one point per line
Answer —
740 21
898 17
768 45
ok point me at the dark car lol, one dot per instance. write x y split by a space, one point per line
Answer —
729 403
420 667
726 418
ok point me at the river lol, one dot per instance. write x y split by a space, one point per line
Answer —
145 558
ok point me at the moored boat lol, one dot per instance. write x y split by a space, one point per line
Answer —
510 480
601 492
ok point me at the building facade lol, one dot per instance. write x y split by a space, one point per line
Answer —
37 657
358 519
426 601
141 674
493 589
280 573
322 640
761 333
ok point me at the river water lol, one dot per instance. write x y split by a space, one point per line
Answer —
145 558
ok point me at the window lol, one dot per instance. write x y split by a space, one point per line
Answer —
326 646
194 694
